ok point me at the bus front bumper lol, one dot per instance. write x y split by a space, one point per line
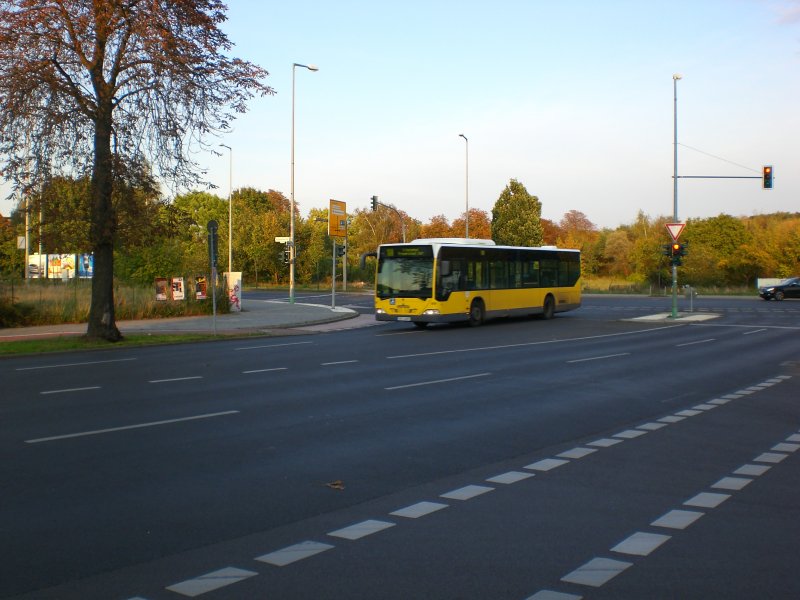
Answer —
425 317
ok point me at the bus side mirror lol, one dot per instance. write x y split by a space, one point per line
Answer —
363 259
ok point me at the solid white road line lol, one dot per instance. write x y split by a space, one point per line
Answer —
410 385
527 344
80 389
694 343
127 427
175 379
272 346
78 364
580 360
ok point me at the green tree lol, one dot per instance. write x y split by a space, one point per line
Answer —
715 256
90 87
516 217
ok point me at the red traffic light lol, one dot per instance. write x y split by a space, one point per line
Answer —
766 177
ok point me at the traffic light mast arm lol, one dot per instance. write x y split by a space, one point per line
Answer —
375 205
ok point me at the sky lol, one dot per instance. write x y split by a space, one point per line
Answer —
574 99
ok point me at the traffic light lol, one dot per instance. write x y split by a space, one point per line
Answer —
666 249
684 249
766 175
374 203
287 254
675 252
341 250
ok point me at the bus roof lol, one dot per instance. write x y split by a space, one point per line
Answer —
470 242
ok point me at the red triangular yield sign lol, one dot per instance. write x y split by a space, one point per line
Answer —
675 230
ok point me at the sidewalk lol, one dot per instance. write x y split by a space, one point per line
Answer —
258 316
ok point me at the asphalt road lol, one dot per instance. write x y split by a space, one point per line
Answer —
590 456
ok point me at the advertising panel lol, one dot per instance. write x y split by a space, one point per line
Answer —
176 283
200 287
234 284
161 288
37 266
85 266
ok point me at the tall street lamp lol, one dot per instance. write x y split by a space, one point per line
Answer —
230 207
675 79
466 218
292 252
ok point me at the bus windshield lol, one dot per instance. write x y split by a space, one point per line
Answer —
405 272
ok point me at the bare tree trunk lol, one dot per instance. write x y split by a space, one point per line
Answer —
102 323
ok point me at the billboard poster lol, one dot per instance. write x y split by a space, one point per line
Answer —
54 266
161 288
177 288
67 266
37 266
233 282
85 266
200 287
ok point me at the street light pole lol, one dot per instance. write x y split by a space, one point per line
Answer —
675 79
292 252
466 215
230 208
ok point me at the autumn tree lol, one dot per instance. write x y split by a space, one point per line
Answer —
437 227
516 217
480 225
90 86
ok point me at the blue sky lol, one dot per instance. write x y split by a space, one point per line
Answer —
572 98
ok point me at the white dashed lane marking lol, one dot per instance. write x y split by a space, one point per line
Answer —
597 572
770 457
752 470
467 492
677 519
577 453
290 554
707 500
640 543
360 530
510 477
731 483
630 434
604 442
547 464
211 581
420 509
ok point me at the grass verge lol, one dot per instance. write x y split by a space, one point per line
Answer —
69 343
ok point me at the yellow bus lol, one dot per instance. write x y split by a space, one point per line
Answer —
445 280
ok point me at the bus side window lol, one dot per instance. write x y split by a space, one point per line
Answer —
549 272
530 273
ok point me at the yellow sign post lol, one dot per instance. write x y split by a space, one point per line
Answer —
337 219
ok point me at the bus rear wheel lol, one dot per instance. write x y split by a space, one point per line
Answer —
476 313
549 308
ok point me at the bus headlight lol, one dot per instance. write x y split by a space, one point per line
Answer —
431 311
380 311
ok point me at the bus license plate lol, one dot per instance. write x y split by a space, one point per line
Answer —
403 318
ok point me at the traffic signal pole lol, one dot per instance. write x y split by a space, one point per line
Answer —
675 193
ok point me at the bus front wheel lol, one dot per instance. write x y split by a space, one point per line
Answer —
476 313
549 308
